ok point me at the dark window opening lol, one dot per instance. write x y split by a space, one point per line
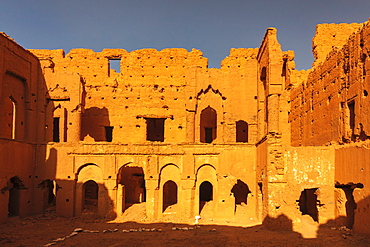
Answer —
241 131
108 133
56 129
155 129
308 203
9 118
133 181
90 193
263 77
169 194
351 110
208 125
115 64
205 194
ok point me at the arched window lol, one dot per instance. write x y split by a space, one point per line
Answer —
241 131
208 125
9 118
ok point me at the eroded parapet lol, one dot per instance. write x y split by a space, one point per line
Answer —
329 37
339 80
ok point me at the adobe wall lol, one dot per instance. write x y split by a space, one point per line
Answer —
173 84
352 167
332 105
22 107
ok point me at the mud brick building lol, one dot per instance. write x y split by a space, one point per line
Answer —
255 139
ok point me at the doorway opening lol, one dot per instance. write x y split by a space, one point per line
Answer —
15 196
90 196
205 194
132 179
169 194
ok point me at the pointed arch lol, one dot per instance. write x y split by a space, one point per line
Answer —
208 125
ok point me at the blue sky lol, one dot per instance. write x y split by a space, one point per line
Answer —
213 26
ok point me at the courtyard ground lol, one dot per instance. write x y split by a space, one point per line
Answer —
49 229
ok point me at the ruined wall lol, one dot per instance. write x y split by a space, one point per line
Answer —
171 84
188 166
332 105
22 108
352 167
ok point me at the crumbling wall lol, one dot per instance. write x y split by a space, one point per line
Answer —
332 105
351 174
22 124
155 84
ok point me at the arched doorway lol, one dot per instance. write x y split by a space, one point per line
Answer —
132 179
205 194
208 125
169 194
90 196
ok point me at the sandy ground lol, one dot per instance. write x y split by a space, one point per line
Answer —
46 228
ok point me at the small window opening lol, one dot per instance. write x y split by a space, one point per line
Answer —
352 115
155 129
56 129
241 131
115 64
308 203
10 108
108 133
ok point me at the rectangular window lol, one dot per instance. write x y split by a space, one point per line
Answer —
109 133
351 110
56 137
155 129
115 64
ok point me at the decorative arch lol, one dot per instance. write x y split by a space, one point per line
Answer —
84 166
169 179
206 119
206 190
85 173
